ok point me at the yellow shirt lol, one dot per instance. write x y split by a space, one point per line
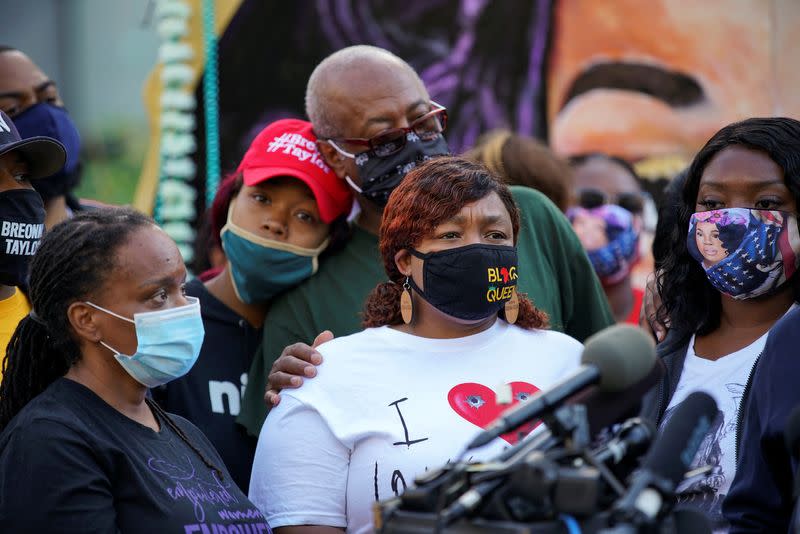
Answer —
12 310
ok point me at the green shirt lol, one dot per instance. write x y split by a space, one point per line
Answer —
554 271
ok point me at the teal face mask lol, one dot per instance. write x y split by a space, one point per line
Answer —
261 268
169 343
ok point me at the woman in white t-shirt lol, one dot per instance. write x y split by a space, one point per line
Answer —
407 394
724 283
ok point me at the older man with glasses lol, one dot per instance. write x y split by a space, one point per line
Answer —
375 122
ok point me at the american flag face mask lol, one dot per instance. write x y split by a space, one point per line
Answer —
614 261
745 252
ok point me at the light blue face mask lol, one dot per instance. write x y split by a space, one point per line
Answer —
169 342
261 268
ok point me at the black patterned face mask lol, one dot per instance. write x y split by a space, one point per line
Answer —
471 282
21 227
380 175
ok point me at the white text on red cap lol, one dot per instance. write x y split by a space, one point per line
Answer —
300 147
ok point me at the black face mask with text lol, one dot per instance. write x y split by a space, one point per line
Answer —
381 174
471 282
21 228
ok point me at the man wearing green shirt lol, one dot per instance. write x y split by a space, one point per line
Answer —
372 115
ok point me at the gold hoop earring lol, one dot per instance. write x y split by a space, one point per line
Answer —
406 304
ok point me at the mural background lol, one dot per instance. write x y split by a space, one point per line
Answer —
649 81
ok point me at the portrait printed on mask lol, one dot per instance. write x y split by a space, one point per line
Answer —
590 228
709 243
745 252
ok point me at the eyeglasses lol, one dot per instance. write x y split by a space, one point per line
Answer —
594 198
389 142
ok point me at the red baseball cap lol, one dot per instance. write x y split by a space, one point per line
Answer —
288 147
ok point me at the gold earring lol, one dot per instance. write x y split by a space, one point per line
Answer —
406 304
511 309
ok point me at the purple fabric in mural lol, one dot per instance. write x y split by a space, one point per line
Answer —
482 60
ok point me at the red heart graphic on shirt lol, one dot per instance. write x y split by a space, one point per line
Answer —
478 404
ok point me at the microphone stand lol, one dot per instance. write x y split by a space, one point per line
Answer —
568 424
443 498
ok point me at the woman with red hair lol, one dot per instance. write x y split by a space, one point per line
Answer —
408 392
273 218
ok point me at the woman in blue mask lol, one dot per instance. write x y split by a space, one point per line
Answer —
273 218
82 448
728 275
407 393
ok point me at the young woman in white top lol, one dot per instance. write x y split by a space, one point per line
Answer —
406 394
727 279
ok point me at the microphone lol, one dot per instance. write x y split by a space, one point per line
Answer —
614 358
632 439
668 460
469 501
604 409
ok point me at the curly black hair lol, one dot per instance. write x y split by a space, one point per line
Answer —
668 218
688 300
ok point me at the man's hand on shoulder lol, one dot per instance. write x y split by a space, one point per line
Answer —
295 362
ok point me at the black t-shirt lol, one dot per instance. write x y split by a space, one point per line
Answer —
69 462
209 395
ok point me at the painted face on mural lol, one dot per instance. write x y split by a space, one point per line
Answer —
659 78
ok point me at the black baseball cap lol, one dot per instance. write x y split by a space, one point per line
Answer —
45 156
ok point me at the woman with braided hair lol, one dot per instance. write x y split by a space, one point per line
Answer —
82 448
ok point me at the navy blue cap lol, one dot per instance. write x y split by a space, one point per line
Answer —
45 156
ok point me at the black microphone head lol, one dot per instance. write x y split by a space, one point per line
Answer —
604 408
676 446
637 432
792 432
624 354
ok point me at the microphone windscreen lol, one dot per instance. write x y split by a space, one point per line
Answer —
792 433
676 446
624 354
604 408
